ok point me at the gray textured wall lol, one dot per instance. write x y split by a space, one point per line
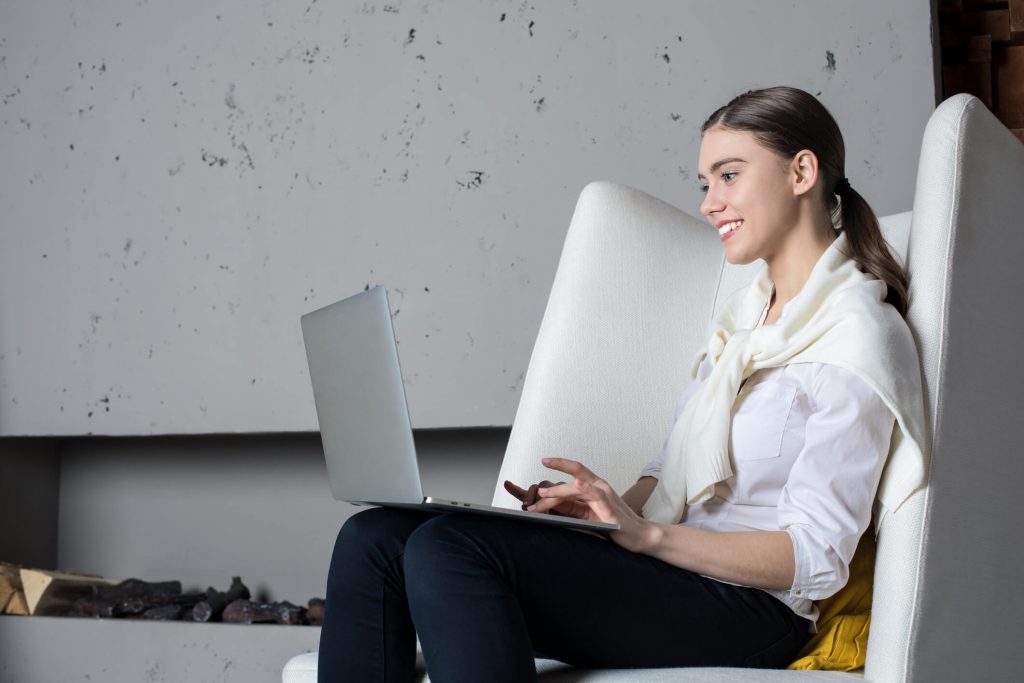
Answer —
179 181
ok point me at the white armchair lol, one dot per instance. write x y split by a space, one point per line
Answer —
636 286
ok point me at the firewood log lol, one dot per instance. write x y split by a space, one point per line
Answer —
249 612
17 605
134 597
55 593
12 597
10 583
315 611
166 612
211 608
89 606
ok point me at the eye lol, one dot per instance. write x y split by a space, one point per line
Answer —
727 176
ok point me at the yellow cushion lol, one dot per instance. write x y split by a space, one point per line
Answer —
841 643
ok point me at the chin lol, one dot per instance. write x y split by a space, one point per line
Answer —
739 259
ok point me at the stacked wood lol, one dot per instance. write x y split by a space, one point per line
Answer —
55 593
983 54
249 612
12 597
161 600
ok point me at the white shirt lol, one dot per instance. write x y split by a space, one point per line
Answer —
808 443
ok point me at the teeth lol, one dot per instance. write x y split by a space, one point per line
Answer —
729 226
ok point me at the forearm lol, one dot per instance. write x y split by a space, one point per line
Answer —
638 494
763 559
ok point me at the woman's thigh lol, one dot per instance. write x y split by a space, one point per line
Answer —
367 633
589 602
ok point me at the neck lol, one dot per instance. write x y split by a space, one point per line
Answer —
790 268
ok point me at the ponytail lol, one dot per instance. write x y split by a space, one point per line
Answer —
871 251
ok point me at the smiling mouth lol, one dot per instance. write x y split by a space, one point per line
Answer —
729 228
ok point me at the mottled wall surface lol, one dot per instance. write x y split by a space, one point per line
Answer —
180 181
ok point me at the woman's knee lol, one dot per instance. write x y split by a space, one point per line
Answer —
422 543
363 526
373 531
454 542
432 553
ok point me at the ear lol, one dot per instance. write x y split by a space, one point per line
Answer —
804 171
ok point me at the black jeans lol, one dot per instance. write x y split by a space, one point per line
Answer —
487 594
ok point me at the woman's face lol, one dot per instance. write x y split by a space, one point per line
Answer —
744 181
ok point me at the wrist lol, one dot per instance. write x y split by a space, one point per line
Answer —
652 535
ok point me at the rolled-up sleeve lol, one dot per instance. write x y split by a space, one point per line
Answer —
653 468
826 502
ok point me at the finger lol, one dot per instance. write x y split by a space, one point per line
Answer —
559 506
567 507
530 496
592 490
598 496
543 505
559 491
515 490
588 499
596 485
573 467
546 485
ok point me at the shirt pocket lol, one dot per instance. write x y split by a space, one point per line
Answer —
759 420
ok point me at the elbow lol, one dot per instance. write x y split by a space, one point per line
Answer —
818 570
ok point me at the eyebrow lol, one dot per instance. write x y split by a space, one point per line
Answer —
718 164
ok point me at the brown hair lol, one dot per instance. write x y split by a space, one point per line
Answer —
787 120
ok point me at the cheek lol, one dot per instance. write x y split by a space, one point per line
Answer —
773 206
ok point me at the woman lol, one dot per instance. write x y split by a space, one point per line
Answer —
753 508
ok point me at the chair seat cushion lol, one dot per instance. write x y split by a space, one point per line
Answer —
302 669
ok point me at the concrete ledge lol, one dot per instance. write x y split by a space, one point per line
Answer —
47 649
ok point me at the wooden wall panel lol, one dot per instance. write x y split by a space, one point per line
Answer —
983 54
1016 16
1009 67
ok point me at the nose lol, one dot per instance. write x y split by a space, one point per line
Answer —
712 202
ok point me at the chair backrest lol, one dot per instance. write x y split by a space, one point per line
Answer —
630 304
947 601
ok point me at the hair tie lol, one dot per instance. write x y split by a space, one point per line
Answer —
841 185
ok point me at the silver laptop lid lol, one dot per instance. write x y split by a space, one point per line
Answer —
360 400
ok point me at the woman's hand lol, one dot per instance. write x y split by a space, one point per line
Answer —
590 497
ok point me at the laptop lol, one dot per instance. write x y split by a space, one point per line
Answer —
364 418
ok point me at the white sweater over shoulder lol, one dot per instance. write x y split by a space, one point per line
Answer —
808 443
